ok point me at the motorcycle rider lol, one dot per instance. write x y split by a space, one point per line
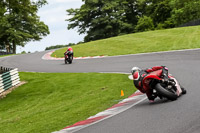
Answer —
69 51
139 74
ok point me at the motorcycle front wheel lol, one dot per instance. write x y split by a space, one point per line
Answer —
165 93
70 59
65 61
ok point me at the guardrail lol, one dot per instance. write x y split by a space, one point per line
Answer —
191 23
9 77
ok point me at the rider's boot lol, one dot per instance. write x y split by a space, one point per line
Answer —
183 90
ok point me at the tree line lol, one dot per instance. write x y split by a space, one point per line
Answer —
20 24
100 19
59 46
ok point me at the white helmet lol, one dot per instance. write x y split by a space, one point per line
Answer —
134 69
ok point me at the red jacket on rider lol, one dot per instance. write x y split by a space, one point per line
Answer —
70 49
139 76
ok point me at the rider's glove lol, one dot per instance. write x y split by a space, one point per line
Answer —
168 81
164 72
172 82
164 80
164 67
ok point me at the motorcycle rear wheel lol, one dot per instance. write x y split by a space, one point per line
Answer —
165 93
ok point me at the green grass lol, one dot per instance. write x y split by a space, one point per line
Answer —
6 55
51 101
152 41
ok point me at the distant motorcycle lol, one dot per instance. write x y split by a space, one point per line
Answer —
68 57
162 87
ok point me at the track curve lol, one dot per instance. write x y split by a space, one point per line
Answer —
182 115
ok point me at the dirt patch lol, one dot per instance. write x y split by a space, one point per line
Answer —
3 94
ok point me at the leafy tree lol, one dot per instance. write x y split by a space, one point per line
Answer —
2 21
162 12
103 19
158 10
185 11
144 24
20 24
170 13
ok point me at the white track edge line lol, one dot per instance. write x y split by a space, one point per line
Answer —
160 52
108 116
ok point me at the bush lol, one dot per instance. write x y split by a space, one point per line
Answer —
167 24
144 24
23 52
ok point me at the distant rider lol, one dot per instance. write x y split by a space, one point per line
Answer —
139 74
70 51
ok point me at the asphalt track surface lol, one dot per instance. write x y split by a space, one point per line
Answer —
180 116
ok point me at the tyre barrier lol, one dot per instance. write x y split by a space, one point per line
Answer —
9 77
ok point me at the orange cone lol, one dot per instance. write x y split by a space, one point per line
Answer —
122 93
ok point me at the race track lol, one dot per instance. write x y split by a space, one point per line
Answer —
180 116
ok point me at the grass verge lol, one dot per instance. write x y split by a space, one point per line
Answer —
6 55
51 101
152 41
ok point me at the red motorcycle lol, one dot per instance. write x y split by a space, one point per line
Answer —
68 57
162 87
